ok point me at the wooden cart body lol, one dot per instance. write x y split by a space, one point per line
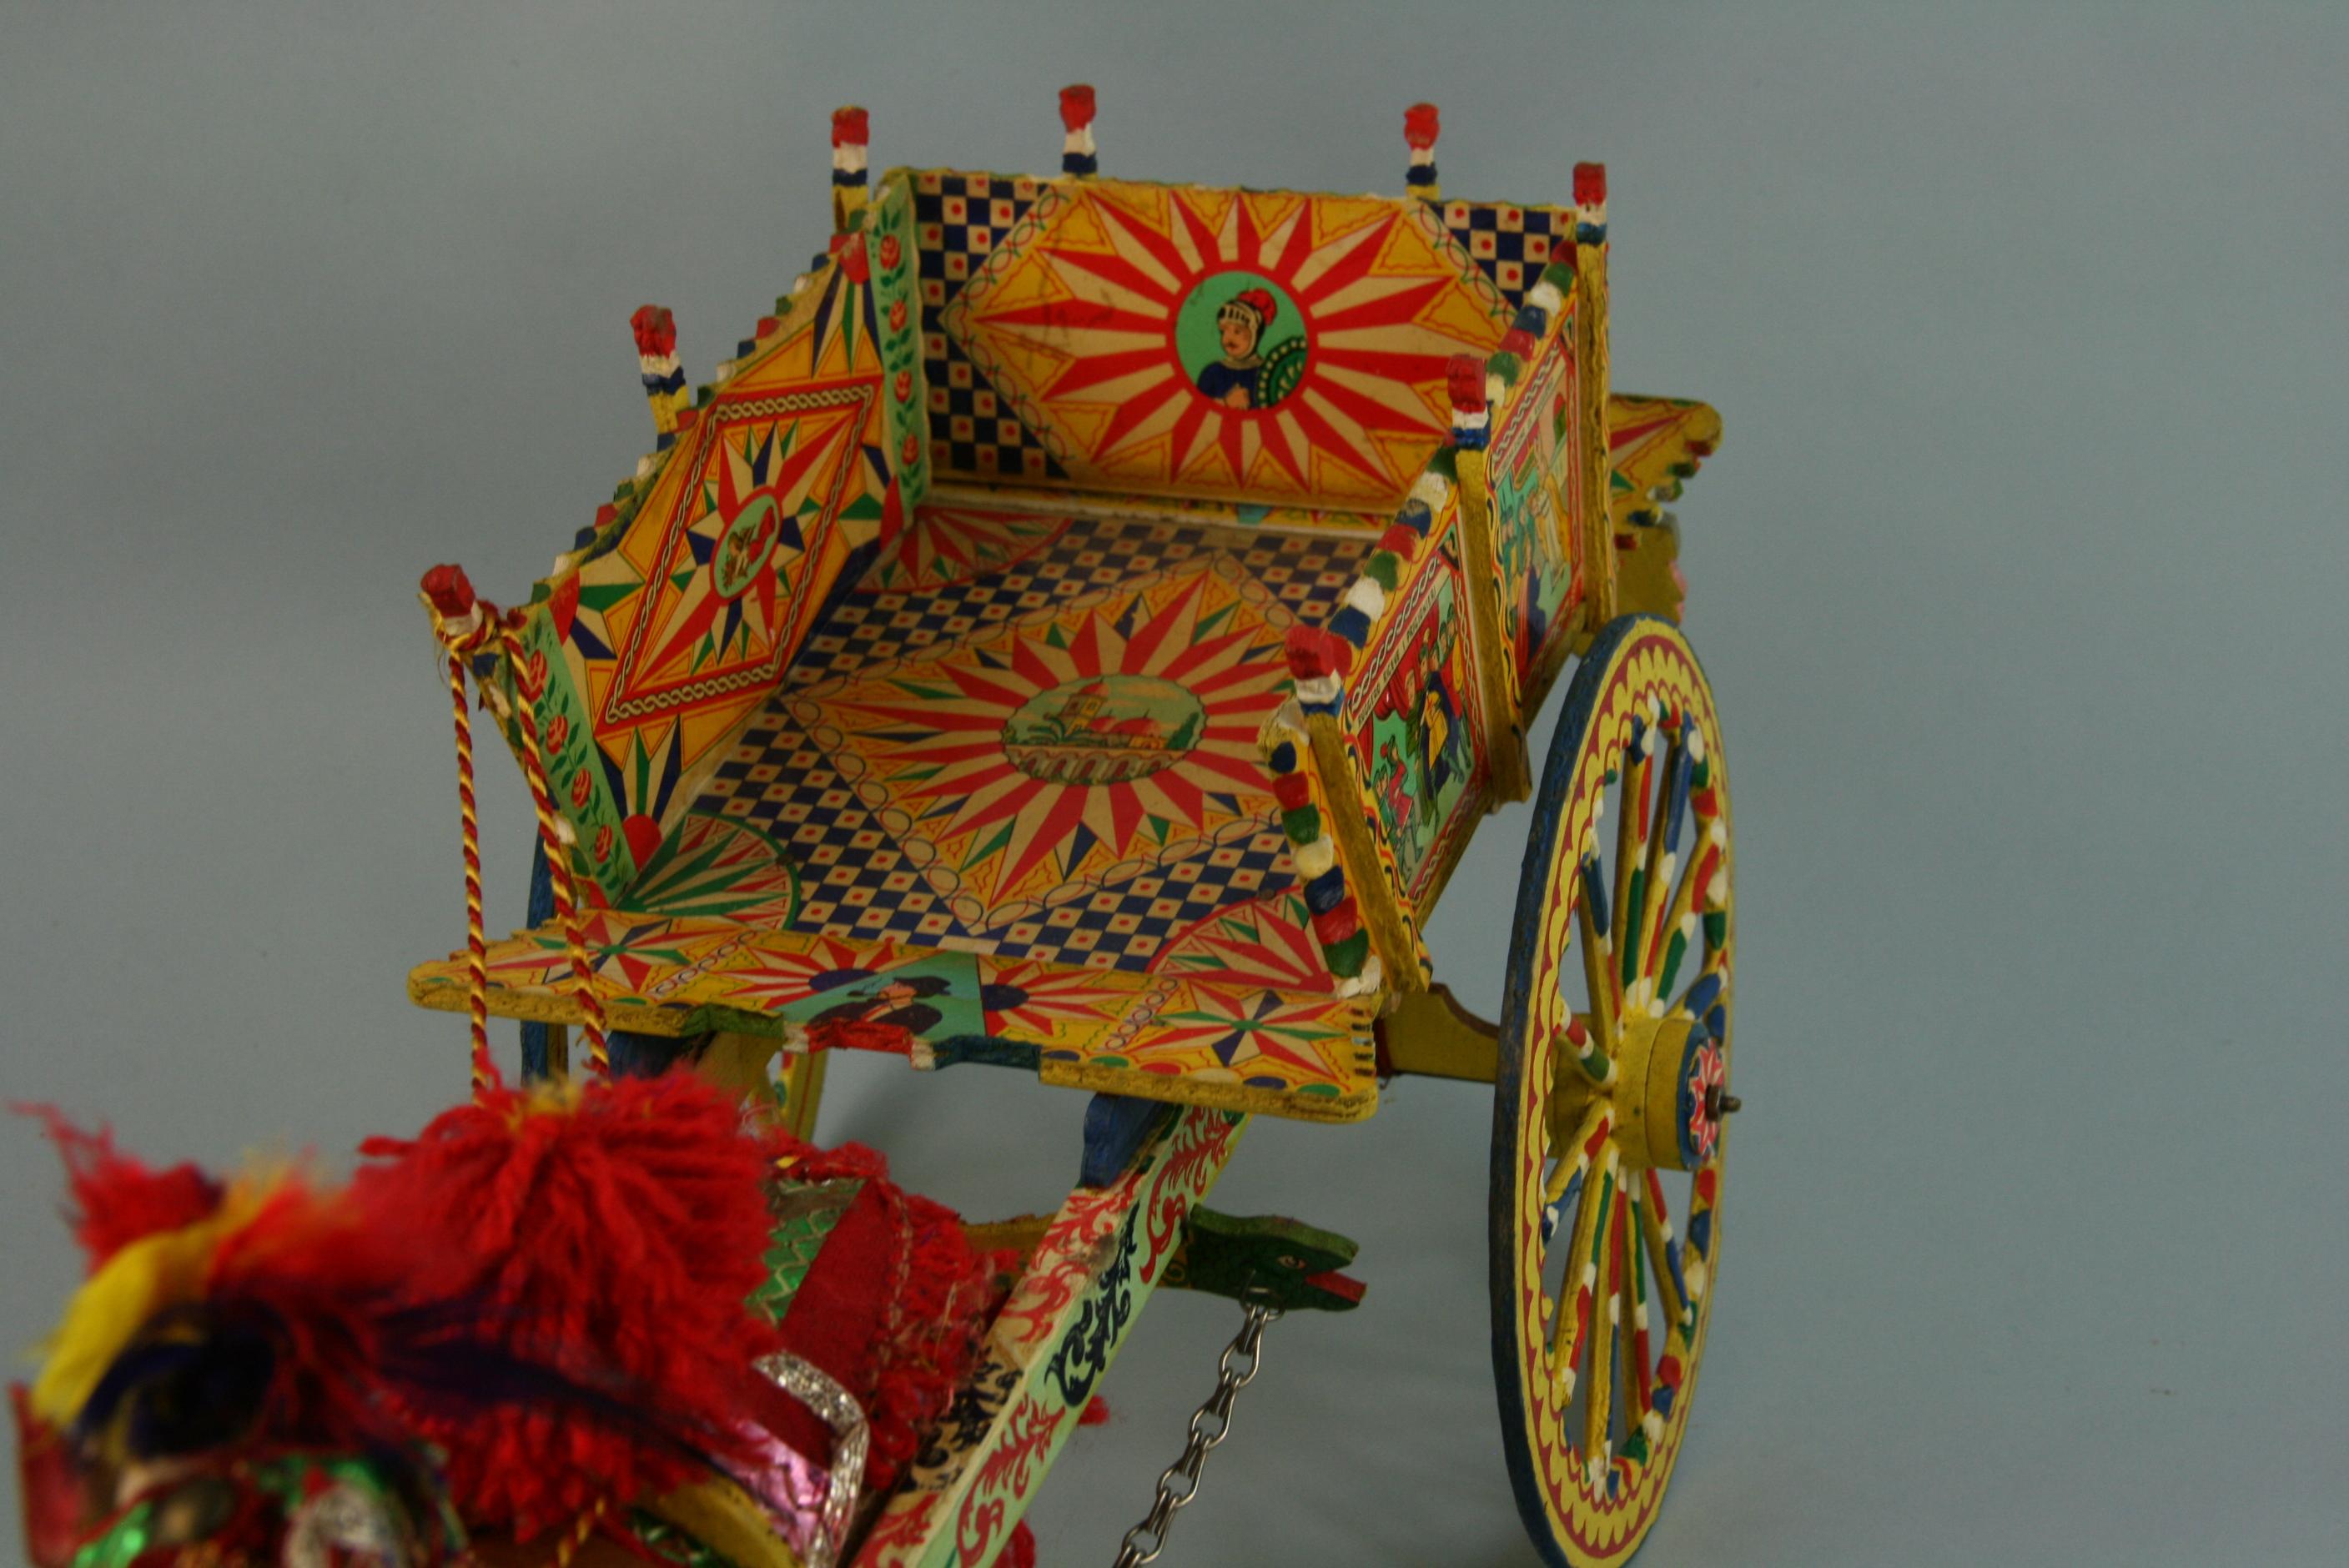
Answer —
966 665
1079 631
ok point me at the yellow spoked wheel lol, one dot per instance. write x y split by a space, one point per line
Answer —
1613 1084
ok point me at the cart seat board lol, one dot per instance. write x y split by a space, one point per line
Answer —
1204 1033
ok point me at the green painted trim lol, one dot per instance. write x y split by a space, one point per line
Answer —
889 236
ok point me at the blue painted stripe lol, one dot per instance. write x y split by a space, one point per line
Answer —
1676 802
1672 1266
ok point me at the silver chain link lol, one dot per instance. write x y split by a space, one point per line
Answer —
1179 1484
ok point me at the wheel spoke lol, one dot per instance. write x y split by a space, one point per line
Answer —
1576 1041
1664 1257
1677 928
1590 912
1663 865
1573 1161
1631 838
1696 1256
1598 1400
1571 1333
1712 886
1642 1426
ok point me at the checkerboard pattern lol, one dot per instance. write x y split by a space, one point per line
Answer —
958 219
859 881
1511 244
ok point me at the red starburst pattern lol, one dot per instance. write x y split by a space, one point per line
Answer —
1263 1037
948 544
1054 1005
782 968
1195 655
1708 1074
1074 319
1268 939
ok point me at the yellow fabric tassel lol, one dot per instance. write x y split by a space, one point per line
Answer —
141 1279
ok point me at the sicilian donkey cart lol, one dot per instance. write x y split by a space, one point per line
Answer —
1077 632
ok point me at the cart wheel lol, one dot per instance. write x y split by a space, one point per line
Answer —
1606 1124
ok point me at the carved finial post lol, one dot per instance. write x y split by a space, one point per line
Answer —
850 186
1078 157
1421 125
664 378
1591 357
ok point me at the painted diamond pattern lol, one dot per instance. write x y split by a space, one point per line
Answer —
957 220
1510 246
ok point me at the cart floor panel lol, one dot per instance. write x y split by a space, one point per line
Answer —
1010 791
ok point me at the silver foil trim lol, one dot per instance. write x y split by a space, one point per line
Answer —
852 1436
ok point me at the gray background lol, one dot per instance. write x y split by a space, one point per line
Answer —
2016 578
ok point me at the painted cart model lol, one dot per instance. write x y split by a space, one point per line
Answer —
1078 632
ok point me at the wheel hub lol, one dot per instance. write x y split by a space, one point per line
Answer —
1668 1086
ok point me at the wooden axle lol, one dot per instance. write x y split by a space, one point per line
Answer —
1429 1033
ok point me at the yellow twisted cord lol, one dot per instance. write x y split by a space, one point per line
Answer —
477 947
572 1543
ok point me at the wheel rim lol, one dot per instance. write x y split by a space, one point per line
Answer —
1608 1137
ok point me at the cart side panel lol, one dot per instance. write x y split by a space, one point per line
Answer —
1532 470
679 619
1414 720
1269 347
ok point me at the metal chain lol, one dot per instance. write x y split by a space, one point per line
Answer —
1179 1484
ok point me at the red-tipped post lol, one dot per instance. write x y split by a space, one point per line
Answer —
1079 157
1421 125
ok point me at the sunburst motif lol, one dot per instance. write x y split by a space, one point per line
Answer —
1268 939
715 869
1258 1034
948 544
1052 1004
1120 733
1076 319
